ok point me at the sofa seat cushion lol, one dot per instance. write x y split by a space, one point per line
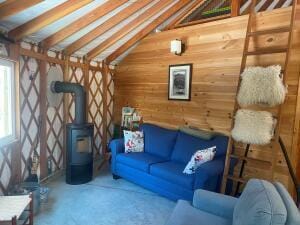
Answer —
172 172
185 214
186 145
139 160
260 203
158 141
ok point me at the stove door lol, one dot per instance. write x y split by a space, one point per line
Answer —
82 142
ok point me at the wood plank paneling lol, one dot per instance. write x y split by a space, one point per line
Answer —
215 50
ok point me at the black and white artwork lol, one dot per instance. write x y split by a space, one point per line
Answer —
180 82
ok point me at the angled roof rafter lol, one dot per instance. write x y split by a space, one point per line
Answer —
82 22
47 18
148 29
6 2
10 8
128 28
104 27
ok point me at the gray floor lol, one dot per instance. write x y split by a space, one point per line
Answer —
103 201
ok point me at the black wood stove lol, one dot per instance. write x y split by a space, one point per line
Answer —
79 137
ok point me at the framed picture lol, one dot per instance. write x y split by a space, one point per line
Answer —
180 79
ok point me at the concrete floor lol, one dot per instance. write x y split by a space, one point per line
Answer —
103 201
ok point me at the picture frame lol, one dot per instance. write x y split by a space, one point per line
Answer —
180 80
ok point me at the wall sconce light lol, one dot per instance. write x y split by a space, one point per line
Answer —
177 47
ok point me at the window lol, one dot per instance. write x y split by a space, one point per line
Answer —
7 102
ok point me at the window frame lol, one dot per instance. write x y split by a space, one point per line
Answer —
9 139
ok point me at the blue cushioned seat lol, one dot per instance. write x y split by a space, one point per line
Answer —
172 172
185 214
156 170
293 214
139 160
186 145
158 141
260 203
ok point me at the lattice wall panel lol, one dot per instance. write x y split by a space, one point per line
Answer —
55 132
110 104
95 106
5 169
30 110
5 153
75 76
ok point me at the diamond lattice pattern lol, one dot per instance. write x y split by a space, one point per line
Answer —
55 133
95 106
30 110
5 169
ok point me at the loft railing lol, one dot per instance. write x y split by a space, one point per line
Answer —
202 11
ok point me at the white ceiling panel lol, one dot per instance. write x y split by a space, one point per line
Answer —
32 12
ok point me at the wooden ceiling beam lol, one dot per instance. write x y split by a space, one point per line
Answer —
6 2
154 10
10 8
107 25
184 14
47 18
235 7
148 29
81 23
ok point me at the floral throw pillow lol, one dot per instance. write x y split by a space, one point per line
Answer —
200 157
134 141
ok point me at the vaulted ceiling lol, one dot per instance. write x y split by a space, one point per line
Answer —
99 29
92 28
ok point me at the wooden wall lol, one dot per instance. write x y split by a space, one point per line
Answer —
215 50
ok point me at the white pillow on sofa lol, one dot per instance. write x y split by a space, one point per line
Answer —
134 141
200 157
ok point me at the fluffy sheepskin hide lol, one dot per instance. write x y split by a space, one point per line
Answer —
261 85
253 127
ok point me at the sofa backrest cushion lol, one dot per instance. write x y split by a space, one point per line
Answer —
186 145
158 141
293 215
260 203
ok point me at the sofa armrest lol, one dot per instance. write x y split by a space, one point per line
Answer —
215 203
116 146
208 176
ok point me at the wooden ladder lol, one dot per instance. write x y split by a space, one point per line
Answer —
261 51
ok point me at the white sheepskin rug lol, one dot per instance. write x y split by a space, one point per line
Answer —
261 85
253 127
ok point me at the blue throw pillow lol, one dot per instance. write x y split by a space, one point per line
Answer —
158 141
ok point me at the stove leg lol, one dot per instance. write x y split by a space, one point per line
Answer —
116 177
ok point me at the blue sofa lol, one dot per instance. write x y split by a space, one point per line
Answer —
261 203
166 153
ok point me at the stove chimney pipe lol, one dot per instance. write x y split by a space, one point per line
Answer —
80 99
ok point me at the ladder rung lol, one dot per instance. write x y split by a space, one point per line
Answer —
264 163
241 180
264 51
270 31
